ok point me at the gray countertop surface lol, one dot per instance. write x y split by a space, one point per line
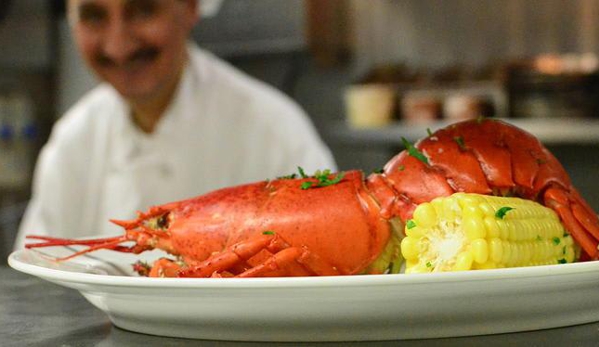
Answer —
34 312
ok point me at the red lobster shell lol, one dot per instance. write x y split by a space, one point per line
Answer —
277 228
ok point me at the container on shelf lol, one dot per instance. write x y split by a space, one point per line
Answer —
459 107
370 105
421 107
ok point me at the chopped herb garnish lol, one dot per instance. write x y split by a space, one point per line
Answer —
288 177
502 211
301 172
413 151
429 132
401 168
428 264
322 178
564 250
562 261
410 224
378 171
268 232
539 238
306 185
556 240
460 141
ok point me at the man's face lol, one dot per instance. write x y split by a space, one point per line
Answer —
138 46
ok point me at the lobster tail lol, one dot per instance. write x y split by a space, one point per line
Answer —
484 156
583 225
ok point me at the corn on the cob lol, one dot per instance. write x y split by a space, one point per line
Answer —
471 231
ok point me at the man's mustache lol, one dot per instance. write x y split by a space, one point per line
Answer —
141 55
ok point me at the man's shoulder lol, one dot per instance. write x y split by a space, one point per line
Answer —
238 85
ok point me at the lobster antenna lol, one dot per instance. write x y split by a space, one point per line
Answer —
96 244
55 241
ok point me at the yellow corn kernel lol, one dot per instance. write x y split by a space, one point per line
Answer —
467 200
410 248
474 228
463 262
496 250
504 232
492 227
487 209
425 216
480 250
414 231
470 211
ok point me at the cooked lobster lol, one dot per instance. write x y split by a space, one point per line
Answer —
345 223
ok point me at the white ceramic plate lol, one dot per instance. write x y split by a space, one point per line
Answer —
375 307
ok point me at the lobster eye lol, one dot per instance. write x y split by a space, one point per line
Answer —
158 223
162 221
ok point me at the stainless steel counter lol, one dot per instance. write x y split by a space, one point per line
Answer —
38 313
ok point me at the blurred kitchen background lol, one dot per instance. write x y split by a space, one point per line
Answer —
367 71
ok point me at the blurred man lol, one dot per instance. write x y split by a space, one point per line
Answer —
169 121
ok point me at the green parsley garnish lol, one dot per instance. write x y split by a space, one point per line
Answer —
502 211
428 264
378 171
413 151
288 177
401 168
562 261
301 172
556 240
268 232
306 185
429 132
460 141
322 179
410 224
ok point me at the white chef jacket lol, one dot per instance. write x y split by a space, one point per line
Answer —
223 128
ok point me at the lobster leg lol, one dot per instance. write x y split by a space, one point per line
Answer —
281 260
282 263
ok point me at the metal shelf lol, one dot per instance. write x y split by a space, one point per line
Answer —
550 131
